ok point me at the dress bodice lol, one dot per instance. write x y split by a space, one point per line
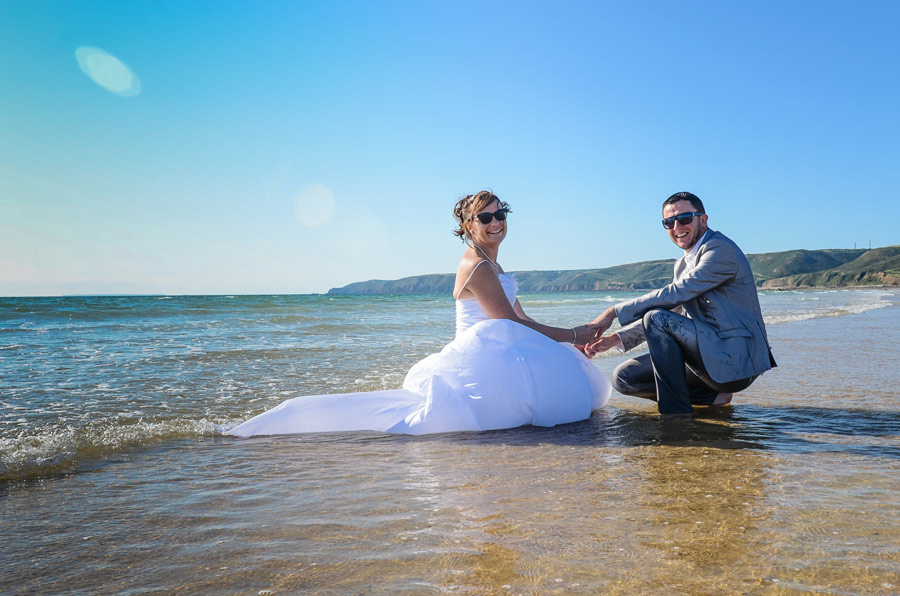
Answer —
469 311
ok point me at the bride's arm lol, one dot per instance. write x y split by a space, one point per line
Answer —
517 308
486 288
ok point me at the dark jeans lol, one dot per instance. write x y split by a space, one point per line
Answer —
672 373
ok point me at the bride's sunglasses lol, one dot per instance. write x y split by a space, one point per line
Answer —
486 218
682 218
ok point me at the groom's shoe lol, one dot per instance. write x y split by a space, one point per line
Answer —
723 399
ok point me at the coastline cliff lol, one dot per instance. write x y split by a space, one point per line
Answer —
793 269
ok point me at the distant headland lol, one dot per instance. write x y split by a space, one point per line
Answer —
792 269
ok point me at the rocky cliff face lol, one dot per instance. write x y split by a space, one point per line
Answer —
876 267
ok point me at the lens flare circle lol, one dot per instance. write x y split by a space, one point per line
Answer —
108 71
314 205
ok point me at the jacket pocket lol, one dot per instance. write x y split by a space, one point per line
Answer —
736 332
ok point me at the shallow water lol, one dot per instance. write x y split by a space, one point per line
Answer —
794 490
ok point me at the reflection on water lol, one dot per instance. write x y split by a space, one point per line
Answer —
621 504
794 490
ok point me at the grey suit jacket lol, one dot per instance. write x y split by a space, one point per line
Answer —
719 294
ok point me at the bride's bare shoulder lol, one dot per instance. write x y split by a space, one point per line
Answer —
469 262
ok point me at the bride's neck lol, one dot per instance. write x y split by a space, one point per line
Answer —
489 253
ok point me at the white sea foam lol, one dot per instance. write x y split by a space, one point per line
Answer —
48 449
793 307
536 300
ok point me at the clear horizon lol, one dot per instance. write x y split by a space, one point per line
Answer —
363 281
217 148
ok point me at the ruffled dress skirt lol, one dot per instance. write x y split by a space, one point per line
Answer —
496 374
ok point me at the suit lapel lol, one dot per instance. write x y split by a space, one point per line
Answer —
692 260
681 268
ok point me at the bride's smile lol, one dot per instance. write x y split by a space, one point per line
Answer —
489 225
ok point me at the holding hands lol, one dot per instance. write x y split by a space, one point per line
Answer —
599 343
605 320
585 334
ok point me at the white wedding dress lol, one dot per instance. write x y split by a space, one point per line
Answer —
496 374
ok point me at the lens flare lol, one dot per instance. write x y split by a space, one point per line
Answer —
314 205
108 71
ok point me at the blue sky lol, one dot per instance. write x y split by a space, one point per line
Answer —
292 147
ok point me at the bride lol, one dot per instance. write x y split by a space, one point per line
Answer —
502 370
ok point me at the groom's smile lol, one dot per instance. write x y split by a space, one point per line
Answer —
684 235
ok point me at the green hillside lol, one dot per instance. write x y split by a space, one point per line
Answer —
876 267
772 265
789 269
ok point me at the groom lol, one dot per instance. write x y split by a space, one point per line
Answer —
704 331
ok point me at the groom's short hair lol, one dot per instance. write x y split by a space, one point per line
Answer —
693 199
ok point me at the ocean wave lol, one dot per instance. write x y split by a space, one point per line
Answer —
51 450
826 303
556 300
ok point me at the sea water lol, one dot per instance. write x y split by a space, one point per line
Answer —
116 476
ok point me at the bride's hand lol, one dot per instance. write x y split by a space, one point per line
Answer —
585 334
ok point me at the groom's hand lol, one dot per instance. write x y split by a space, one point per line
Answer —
601 345
604 321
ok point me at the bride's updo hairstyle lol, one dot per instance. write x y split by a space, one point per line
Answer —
465 209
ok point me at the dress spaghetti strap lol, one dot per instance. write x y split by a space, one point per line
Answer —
462 287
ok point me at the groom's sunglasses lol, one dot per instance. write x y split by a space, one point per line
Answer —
486 218
682 218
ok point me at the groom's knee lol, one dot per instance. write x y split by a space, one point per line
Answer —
625 377
653 319
620 382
